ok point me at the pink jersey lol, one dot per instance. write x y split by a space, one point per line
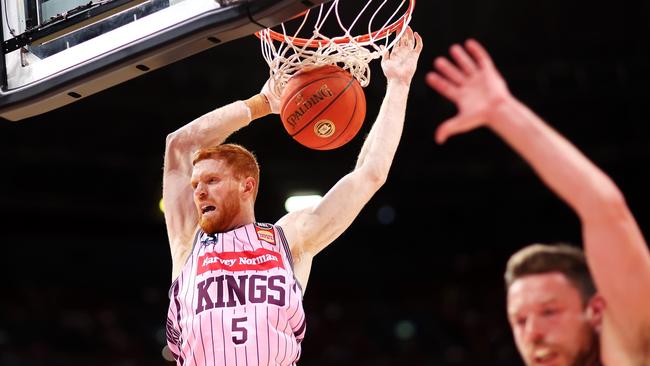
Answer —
237 302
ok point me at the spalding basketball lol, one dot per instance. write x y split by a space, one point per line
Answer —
323 108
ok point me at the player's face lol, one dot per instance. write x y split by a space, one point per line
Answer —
549 322
216 195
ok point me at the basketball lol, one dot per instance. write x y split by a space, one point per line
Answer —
323 108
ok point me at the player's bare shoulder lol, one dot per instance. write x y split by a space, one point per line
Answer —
292 225
621 346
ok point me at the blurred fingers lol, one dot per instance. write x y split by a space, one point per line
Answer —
441 85
451 127
463 59
479 53
449 70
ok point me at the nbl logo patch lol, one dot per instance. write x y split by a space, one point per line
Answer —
265 233
259 260
207 239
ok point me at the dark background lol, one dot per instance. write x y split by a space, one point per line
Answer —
416 280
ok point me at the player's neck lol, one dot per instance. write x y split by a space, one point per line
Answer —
244 218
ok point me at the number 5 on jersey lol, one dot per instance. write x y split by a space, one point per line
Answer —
239 331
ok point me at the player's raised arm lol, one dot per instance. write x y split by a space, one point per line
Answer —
616 251
312 229
181 216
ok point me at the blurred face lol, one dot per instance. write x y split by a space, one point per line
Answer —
549 322
216 195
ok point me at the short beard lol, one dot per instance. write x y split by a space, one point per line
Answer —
591 355
223 222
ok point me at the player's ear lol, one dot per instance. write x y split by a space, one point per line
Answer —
248 185
595 310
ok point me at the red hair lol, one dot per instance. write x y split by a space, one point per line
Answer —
243 162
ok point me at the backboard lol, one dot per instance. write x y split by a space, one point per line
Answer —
55 52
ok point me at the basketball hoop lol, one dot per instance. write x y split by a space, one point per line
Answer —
288 50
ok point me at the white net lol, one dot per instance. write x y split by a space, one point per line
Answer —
287 52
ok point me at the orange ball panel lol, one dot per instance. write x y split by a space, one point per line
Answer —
323 108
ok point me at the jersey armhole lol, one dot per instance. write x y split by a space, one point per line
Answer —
287 251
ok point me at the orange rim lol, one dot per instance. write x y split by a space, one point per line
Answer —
380 34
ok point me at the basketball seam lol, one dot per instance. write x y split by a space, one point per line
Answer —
347 125
303 88
327 106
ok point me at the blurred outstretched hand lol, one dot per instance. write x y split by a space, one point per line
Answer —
473 83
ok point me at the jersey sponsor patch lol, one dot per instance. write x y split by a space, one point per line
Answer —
265 233
259 260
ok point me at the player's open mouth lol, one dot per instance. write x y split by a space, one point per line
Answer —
543 356
205 209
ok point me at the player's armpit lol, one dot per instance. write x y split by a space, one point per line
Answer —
314 228
302 268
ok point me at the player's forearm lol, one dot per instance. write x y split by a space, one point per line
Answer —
381 144
212 128
563 168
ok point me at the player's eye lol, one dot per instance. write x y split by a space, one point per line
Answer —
549 312
520 321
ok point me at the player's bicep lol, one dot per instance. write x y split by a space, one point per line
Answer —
619 261
180 215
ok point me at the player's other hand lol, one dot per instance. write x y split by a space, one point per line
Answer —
400 63
268 91
473 83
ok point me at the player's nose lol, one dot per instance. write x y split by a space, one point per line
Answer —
534 330
200 191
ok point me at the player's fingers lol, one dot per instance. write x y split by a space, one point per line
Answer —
449 70
407 37
441 85
418 43
450 127
385 54
479 53
463 59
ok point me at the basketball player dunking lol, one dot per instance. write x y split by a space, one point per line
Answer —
236 296
552 324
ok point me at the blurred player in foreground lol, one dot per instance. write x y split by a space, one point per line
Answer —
555 317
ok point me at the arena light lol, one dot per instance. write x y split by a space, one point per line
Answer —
161 205
300 201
